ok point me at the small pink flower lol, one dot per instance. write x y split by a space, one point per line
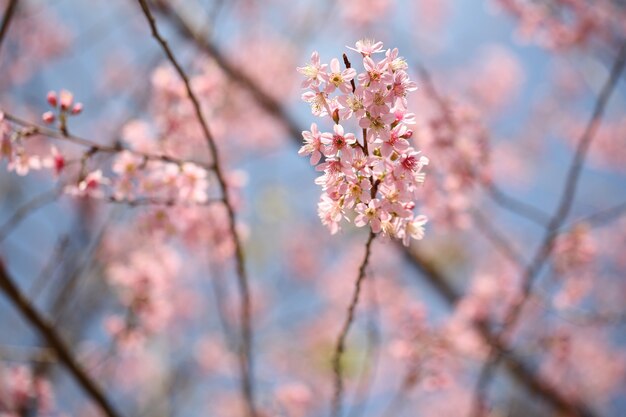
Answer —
330 212
22 163
414 229
337 141
394 140
371 214
367 47
312 71
375 74
338 78
312 145
90 186
55 161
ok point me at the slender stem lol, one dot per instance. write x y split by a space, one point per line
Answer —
245 349
341 340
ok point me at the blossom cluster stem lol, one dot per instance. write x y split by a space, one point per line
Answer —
341 340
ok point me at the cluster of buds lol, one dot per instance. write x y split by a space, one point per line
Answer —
64 105
373 181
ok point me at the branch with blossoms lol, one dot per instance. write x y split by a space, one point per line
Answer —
374 182
515 364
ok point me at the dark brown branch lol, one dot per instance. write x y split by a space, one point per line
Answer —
341 340
61 350
6 20
245 353
558 219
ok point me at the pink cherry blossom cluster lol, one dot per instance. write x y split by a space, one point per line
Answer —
139 173
374 181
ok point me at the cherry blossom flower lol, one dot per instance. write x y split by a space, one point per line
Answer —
312 71
367 47
312 145
90 186
338 78
337 141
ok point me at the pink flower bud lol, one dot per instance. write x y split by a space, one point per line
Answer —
52 98
66 99
48 117
407 135
78 108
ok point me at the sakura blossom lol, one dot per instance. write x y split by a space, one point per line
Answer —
388 159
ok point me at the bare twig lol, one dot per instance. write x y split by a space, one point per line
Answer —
545 249
61 350
245 353
341 340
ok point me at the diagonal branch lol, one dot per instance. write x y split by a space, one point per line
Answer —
6 19
61 350
558 219
245 349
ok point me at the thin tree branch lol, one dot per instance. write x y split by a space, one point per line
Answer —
54 134
245 353
545 249
341 340
6 19
28 311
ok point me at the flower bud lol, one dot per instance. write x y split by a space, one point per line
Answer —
52 98
407 135
78 108
336 116
66 98
48 117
